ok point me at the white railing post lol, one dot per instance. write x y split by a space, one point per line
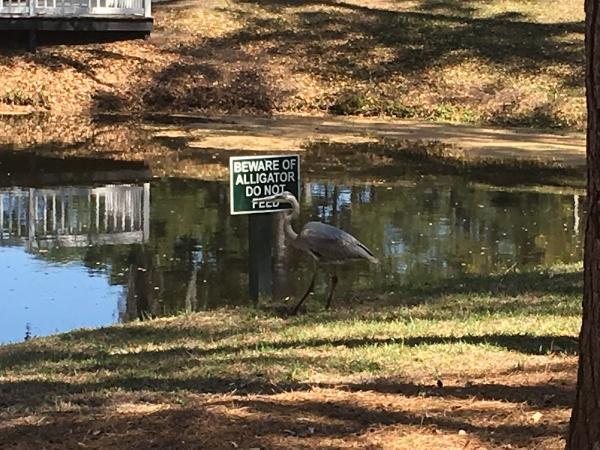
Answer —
146 209
147 8
32 7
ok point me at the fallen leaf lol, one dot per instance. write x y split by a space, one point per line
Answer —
536 417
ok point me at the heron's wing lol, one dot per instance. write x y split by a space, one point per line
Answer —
329 243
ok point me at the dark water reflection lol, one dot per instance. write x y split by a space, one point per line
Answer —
170 245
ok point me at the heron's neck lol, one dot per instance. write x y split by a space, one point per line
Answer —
289 216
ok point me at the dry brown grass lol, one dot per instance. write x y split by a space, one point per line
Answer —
501 62
453 417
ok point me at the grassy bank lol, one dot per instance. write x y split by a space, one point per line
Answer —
477 362
495 62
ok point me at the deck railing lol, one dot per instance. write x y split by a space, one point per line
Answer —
75 7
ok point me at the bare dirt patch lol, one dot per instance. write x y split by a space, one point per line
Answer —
197 147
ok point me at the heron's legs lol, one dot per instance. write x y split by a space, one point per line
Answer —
311 287
334 280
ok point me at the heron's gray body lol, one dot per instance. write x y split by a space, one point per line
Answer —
329 244
325 243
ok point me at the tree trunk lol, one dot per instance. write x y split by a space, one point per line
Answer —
584 430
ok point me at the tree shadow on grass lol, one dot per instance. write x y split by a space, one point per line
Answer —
513 294
183 86
511 284
420 39
331 40
537 396
36 392
527 344
103 344
267 417
452 7
166 363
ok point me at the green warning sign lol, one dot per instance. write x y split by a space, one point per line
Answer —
254 177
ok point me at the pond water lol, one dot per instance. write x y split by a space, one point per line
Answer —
83 254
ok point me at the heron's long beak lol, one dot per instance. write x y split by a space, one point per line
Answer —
272 198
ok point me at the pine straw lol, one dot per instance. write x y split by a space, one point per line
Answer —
524 407
500 62
495 412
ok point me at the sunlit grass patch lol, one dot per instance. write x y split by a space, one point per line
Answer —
537 318
495 357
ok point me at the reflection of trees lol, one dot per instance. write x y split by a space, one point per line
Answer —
431 229
438 228
470 230
196 247
140 287
428 228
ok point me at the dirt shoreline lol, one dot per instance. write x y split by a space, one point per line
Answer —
252 133
189 141
293 132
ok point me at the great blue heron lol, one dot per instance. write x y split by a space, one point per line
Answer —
325 243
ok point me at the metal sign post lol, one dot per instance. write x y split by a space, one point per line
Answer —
260 270
250 178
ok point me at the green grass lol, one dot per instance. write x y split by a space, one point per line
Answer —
464 327
501 348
